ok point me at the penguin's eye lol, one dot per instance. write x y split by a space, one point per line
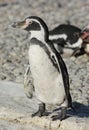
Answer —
28 21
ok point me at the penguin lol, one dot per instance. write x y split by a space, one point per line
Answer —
85 36
66 39
49 79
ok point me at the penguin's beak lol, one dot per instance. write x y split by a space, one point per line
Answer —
84 34
20 24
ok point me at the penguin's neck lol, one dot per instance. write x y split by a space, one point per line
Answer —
40 35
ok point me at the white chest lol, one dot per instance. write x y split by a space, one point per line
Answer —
87 48
48 82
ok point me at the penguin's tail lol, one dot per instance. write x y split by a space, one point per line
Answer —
70 105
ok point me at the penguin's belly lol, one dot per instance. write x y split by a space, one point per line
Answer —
47 80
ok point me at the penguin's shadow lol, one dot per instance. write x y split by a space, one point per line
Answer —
80 110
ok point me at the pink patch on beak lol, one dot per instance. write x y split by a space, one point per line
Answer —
84 35
25 25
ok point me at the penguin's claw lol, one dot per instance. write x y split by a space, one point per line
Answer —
39 114
56 117
41 111
59 116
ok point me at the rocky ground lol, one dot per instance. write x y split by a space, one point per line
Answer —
14 43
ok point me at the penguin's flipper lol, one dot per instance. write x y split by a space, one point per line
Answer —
66 81
59 63
28 85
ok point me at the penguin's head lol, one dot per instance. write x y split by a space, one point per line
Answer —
35 25
85 32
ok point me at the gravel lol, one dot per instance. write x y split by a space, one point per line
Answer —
14 43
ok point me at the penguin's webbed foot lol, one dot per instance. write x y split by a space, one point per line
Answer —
41 111
61 115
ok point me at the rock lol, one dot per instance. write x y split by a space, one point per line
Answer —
16 110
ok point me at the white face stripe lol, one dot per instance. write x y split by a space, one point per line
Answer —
77 44
31 19
55 36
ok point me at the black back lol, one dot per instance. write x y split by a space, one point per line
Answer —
65 29
72 33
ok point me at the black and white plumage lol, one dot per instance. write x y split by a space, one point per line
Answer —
67 40
48 74
85 37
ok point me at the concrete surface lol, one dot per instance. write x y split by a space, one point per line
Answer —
16 110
